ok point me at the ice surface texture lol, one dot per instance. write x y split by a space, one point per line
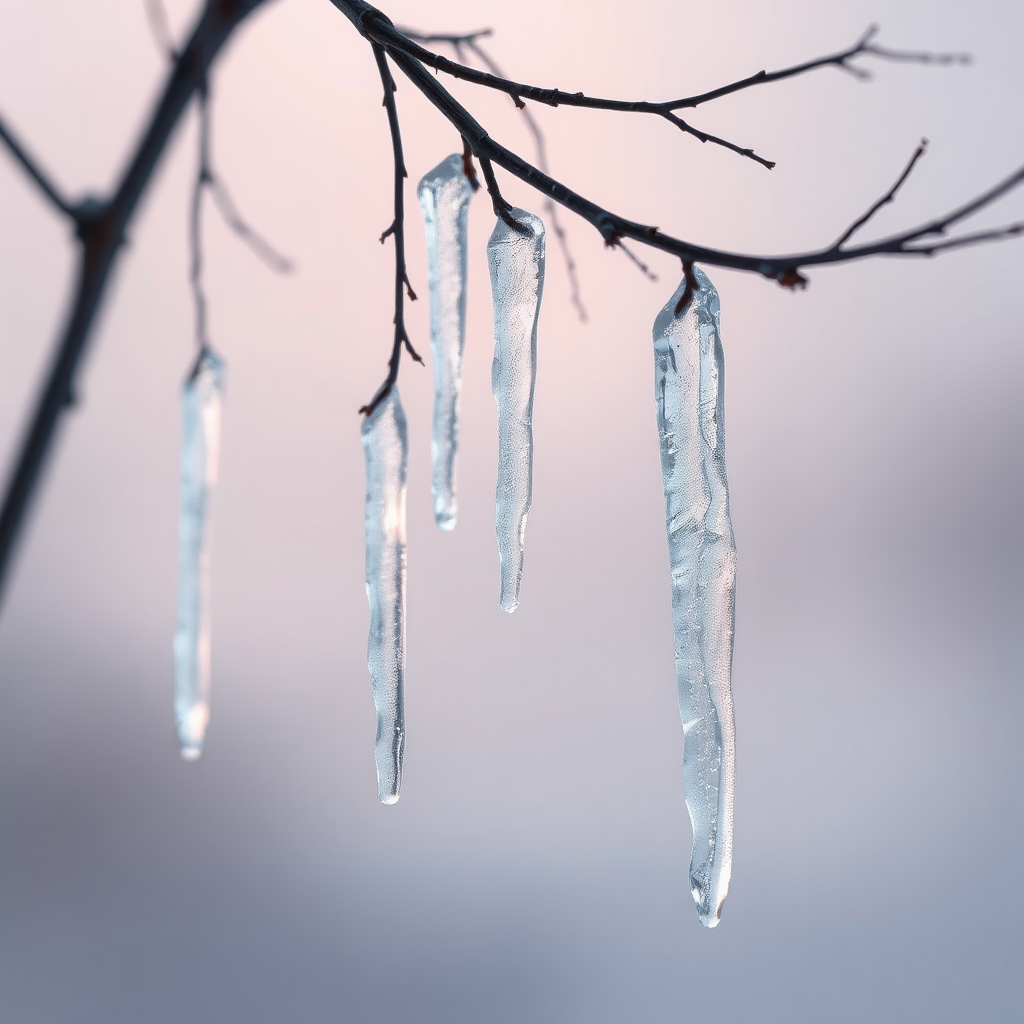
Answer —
385 445
444 195
516 264
689 379
200 446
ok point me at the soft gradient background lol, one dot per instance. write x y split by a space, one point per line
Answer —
534 869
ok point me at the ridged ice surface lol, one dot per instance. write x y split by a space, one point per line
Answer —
386 448
516 264
444 195
690 394
200 447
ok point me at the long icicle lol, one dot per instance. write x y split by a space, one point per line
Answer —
200 446
444 195
385 445
516 261
690 396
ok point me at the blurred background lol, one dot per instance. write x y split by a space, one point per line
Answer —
535 867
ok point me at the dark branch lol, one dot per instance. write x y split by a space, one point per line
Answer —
502 208
396 230
887 198
381 30
540 146
156 15
613 227
36 173
101 232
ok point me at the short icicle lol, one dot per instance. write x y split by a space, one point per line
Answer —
200 444
690 397
516 261
444 195
385 445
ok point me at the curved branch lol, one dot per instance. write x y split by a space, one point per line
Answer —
383 31
785 268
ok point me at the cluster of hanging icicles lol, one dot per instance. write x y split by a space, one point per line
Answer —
689 400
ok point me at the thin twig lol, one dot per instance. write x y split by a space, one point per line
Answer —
502 208
397 231
102 225
35 172
195 214
260 246
887 198
379 28
784 269
156 15
540 145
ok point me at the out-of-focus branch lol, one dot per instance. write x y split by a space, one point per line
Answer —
101 233
32 168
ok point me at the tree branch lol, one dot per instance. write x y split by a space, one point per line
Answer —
383 31
101 231
785 269
31 167
397 230
470 41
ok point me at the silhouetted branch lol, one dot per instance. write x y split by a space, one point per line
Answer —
31 167
785 269
470 41
156 15
380 29
887 198
102 224
396 230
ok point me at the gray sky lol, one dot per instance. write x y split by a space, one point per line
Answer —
535 867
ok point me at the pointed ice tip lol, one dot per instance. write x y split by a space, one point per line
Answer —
387 799
191 753
509 604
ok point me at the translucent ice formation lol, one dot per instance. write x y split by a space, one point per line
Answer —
200 444
516 263
386 448
444 195
689 378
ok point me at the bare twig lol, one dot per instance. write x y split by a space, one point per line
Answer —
196 212
502 208
540 146
156 15
397 230
32 168
887 198
785 269
101 231
379 28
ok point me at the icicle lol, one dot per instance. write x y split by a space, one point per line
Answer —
200 444
444 195
517 281
690 396
386 448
